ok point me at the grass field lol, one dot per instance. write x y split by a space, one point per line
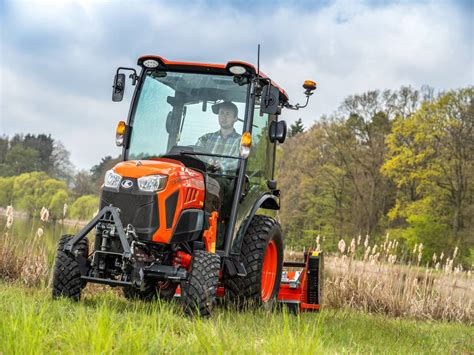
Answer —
31 322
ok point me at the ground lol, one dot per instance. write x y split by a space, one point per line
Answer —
104 322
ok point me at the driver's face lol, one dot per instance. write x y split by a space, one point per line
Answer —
227 117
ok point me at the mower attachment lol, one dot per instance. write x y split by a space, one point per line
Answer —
302 290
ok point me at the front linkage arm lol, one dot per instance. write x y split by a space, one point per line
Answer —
112 217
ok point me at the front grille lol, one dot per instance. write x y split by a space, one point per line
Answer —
136 208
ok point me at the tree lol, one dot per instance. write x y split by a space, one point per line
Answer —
6 191
44 145
32 191
296 128
24 153
3 148
56 205
431 156
61 165
19 160
83 184
84 207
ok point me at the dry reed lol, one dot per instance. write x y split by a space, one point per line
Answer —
375 282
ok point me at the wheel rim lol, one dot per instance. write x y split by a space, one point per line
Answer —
269 271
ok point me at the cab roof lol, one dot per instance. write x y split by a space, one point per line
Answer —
209 68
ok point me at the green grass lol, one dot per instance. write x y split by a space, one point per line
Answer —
31 322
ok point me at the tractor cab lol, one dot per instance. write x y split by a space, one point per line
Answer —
178 214
212 118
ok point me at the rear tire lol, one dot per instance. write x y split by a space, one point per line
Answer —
67 272
262 256
198 292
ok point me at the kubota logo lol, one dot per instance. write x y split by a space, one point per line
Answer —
126 184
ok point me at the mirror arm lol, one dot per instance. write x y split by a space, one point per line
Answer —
132 76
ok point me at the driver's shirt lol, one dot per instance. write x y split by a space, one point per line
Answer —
216 143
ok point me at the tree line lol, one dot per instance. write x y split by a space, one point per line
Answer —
398 162
36 172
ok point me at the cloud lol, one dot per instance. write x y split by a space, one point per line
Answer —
58 58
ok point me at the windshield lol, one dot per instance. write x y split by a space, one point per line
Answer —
194 112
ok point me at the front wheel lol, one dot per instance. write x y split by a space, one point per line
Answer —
198 292
262 256
67 280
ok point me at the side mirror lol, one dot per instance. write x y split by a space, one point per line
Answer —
277 131
270 99
118 88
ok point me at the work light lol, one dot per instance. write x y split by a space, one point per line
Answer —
112 179
150 63
152 183
237 70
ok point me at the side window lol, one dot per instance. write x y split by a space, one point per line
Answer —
261 156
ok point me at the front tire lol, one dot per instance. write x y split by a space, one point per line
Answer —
262 256
198 292
67 271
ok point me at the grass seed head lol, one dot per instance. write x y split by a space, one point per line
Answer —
9 221
342 246
44 214
9 211
40 232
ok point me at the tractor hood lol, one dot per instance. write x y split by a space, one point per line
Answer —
139 168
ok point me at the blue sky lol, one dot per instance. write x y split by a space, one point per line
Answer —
58 58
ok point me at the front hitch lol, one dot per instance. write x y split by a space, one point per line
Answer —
108 214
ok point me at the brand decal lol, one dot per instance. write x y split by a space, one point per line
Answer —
126 184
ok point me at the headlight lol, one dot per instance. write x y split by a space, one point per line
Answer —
112 179
152 183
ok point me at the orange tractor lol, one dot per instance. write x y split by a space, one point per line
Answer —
179 214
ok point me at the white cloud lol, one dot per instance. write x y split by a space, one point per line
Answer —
58 59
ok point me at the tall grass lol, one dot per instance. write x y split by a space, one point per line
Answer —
30 323
362 276
375 278
23 261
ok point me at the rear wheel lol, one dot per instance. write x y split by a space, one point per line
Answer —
198 292
67 269
262 256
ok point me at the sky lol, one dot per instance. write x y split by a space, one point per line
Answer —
58 58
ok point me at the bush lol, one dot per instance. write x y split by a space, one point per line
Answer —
84 207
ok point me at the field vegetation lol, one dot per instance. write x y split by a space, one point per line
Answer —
384 187
30 322
398 162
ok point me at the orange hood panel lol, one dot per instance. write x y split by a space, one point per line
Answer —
139 168
187 183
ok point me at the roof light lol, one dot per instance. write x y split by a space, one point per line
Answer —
237 70
309 86
150 63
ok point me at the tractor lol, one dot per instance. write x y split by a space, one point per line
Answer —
182 215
